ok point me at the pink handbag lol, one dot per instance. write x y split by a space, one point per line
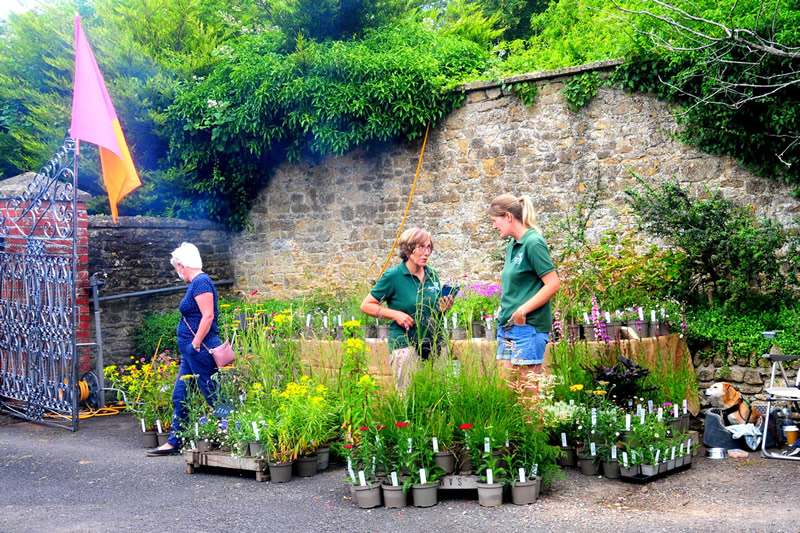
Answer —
223 354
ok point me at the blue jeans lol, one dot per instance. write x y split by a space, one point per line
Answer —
202 366
522 345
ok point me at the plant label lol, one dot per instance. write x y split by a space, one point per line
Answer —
487 447
394 479
350 469
625 459
673 453
594 416
649 406
435 445
660 413
362 480
489 476
308 320
196 429
641 417
255 429
158 425
144 430
658 455
563 440
592 449
194 447
613 452
422 477
522 475
628 422
409 446
339 320
685 406
325 322
535 469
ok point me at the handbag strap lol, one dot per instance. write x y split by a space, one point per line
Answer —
203 344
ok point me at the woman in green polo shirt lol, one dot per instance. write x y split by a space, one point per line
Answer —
529 280
411 291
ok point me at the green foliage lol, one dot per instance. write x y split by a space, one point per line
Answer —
156 327
567 33
258 106
526 91
733 257
729 94
466 20
579 90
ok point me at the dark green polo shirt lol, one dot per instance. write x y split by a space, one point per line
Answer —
527 261
403 291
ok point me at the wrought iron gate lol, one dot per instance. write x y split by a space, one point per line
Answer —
38 265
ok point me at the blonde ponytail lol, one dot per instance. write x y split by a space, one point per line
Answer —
520 208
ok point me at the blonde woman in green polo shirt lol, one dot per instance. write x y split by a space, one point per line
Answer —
529 280
413 303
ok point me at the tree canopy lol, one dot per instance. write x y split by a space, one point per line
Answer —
212 94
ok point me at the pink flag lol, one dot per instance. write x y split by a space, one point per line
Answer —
94 120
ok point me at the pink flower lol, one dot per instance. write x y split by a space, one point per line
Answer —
254 292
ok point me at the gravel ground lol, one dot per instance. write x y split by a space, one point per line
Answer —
98 479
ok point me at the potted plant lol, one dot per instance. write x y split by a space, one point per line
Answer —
492 480
424 473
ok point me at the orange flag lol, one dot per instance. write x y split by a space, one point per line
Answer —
94 120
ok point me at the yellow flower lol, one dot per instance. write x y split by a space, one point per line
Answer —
599 392
305 378
577 387
224 306
352 324
187 377
257 385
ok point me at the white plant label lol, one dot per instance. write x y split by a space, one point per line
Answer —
487 447
608 317
455 320
658 454
681 448
641 314
563 440
673 453
489 476
308 320
339 320
144 430
422 477
435 445
196 429
613 452
394 479
255 429
572 402
685 406
522 475
586 318
194 447
325 321
158 425
594 416
362 480
535 469
592 449
507 444
628 422
350 469
650 406
652 315
660 413
625 459
641 417
409 446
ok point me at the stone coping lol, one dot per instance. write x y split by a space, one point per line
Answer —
538 76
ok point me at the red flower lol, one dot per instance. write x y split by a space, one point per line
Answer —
254 292
365 428
401 424
348 446
380 428
465 426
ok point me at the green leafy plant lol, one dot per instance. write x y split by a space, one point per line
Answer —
579 90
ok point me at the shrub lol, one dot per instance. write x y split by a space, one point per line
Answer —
155 327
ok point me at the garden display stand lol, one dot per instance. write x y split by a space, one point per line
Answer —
218 459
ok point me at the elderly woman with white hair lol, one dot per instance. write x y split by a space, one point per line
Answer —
197 334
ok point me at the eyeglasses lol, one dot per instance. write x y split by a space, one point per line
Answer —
426 248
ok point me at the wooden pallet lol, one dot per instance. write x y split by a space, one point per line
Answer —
220 459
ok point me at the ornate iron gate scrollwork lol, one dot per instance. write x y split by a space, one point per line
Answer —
38 258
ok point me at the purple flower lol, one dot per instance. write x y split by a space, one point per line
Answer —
202 420
223 424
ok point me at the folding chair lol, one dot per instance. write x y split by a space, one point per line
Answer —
788 393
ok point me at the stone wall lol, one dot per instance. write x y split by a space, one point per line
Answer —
329 224
135 255
333 223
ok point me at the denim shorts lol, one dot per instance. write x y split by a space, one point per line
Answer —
522 345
